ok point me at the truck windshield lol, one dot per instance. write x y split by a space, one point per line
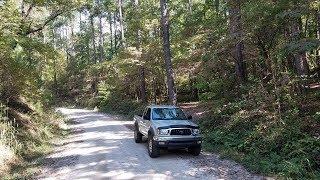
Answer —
168 114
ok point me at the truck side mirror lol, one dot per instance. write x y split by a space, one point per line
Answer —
146 118
190 117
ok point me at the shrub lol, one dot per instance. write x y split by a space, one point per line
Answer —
283 144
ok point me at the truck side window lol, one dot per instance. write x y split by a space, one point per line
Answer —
147 115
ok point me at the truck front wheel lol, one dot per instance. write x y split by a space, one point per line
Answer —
153 149
137 135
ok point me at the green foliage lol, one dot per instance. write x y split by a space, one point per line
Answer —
112 103
64 52
27 143
249 131
28 66
23 140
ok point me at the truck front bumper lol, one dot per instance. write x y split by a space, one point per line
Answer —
178 142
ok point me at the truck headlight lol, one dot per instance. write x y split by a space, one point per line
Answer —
163 131
195 131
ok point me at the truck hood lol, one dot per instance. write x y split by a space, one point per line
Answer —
163 124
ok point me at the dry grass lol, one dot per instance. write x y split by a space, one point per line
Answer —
7 157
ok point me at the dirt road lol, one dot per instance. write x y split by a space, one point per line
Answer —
102 147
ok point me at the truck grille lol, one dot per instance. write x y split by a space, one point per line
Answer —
180 132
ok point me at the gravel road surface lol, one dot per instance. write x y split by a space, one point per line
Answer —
102 147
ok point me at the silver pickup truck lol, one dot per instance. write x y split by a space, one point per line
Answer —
167 127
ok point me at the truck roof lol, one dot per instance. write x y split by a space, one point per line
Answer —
162 106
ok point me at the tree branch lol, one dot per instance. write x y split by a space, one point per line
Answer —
52 17
22 9
28 11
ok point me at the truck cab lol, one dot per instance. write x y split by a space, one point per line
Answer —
167 127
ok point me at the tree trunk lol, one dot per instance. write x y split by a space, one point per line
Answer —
154 87
115 30
22 9
122 42
190 6
111 33
94 80
101 53
55 81
137 17
301 63
300 60
167 52
236 34
72 40
143 85
94 60
318 24
80 22
318 36
141 68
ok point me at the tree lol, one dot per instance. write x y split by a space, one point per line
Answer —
122 40
115 30
143 93
101 40
94 53
318 35
111 34
190 6
236 35
167 52
300 58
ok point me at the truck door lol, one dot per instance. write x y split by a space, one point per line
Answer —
146 121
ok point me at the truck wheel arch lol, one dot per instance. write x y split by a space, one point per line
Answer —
150 132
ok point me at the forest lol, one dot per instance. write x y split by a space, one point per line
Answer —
253 65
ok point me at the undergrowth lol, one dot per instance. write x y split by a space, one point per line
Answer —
113 102
28 143
278 139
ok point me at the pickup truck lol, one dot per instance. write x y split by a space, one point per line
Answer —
167 127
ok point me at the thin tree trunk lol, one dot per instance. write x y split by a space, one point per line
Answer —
190 4
80 22
236 34
300 60
318 36
67 43
94 78
137 16
111 33
141 68
22 9
301 63
143 85
94 60
72 39
101 53
167 52
154 87
115 30
55 81
122 42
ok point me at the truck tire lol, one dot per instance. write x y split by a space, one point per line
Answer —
137 135
153 149
195 150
